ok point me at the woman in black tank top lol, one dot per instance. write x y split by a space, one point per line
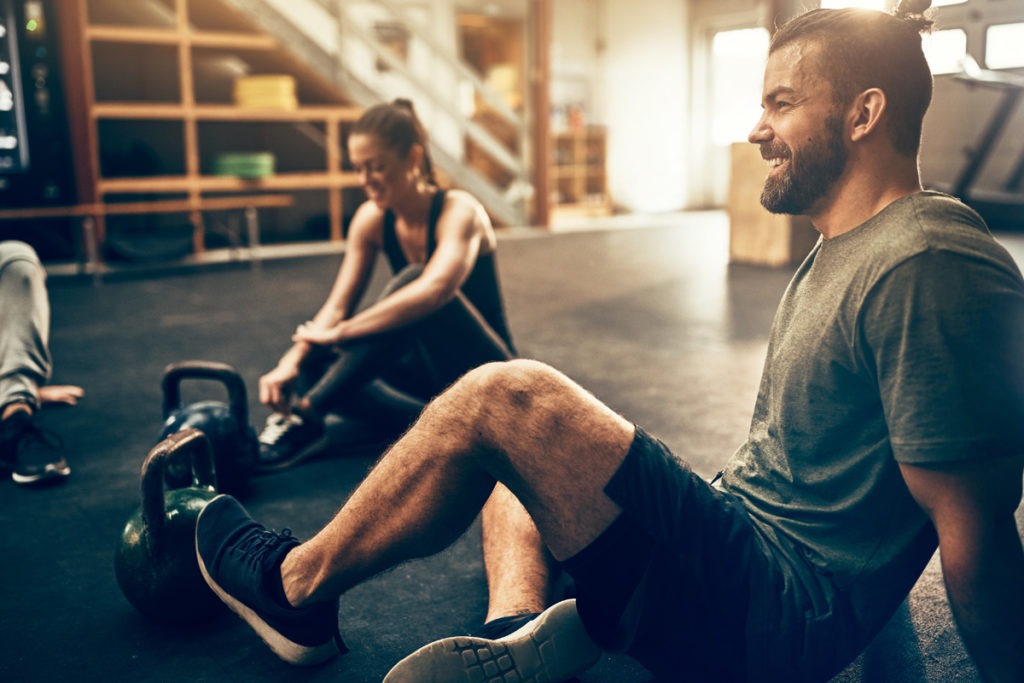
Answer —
439 316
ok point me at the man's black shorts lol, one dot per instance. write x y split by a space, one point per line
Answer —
670 580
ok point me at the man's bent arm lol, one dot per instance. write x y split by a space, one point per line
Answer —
972 506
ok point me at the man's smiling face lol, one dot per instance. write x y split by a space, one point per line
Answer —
800 133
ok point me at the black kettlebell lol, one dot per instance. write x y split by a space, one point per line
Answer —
155 564
226 425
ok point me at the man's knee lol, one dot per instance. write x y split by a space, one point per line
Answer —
508 390
512 379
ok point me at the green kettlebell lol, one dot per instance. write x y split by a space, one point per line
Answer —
155 563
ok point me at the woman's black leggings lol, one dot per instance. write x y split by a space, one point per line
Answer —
386 379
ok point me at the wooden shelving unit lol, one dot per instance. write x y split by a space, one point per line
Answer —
579 185
137 97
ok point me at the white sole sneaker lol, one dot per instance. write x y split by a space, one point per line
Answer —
52 472
553 647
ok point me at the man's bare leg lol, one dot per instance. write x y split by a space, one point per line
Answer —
519 568
521 423
549 441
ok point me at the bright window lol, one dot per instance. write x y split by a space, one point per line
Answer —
860 4
944 50
1003 46
879 4
737 76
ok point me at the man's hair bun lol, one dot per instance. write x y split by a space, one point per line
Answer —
913 12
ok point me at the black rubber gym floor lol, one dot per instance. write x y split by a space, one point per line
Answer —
652 320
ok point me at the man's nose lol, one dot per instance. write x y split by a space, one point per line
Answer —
761 132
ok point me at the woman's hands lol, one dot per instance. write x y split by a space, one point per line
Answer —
313 332
275 387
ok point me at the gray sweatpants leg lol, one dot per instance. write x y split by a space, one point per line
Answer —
25 362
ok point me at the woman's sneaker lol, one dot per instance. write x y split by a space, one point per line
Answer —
554 646
240 560
286 440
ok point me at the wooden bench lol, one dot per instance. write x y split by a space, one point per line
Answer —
93 220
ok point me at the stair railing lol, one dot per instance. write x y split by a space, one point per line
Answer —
367 71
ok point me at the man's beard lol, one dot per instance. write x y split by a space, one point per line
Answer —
811 174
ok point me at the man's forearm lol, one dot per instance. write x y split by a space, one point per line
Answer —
987 599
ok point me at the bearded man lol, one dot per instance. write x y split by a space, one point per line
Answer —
889 422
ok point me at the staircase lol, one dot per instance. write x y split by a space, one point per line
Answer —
344 42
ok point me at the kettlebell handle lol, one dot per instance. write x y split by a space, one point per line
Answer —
202 369
194 444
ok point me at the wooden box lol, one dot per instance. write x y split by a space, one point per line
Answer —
756 235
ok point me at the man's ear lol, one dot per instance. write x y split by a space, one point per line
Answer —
866 113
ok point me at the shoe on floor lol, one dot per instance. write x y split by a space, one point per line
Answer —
551 647
32 453
286 440
241 561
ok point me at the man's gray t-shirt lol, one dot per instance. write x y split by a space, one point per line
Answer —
901 341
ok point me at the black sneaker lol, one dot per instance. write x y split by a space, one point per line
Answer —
286 440
554 646
33 453
502 626
241 561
